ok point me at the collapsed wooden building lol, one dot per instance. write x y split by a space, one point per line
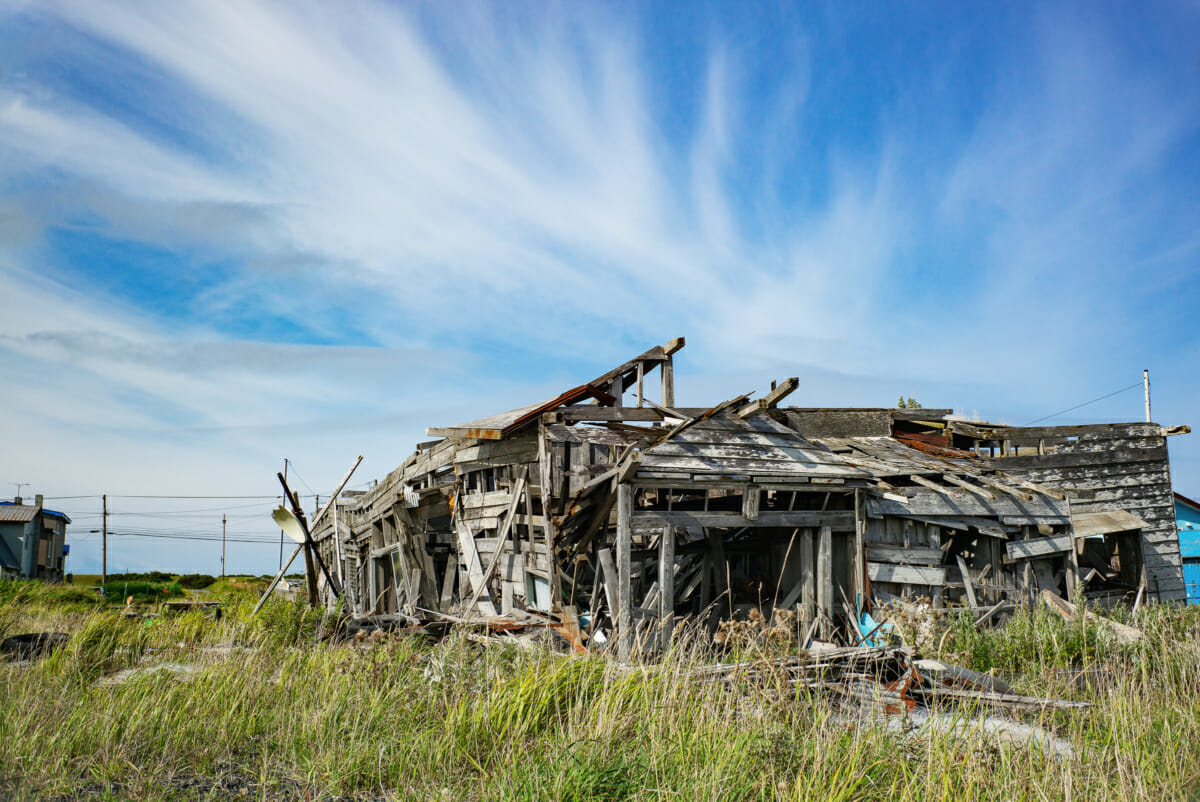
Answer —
621 517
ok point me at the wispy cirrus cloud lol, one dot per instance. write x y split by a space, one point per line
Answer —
405 204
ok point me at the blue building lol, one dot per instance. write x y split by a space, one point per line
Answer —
1187 516
32 541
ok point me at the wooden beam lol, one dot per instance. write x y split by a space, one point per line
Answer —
612 592
666 583
965 485
923 482
966 577
624 569
839 519
934 576
1038 547
825 581
808 577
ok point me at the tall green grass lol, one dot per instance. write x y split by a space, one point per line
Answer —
403 719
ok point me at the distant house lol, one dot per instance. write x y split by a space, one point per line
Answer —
32 540
1187 516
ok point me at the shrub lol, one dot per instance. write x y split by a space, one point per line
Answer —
196 581
118 590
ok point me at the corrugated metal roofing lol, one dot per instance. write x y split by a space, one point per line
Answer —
18 513
24 513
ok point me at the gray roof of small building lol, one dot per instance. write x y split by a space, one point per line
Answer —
18 513
24 513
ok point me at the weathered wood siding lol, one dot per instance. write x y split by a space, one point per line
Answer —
1123 467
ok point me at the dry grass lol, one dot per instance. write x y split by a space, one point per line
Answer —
272 713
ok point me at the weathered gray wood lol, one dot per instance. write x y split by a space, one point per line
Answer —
470 557
624 577
1038 547
825 599
612 592
808 577
906 574
750 501
666 582
514 501
967 581
651 519
448 582
899 555
985 526
1103 523
1060 460
838 423
934 486
965 485
936 504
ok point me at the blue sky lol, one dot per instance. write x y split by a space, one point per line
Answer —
232 233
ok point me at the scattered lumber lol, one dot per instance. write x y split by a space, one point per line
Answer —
1123 632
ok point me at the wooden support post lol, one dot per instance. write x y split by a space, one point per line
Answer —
666 583
859 585
966 576
935 541
1027 576
808 579
624 568
825 581
751 497
668 384
720 571
1073 595
448 582
611 595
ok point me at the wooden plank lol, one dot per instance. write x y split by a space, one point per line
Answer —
907 574
624 568
808 577
750 501
612 592
666 582
1000 432
900 555
1090 524
934 486
470 557
1037 547
449 579
650 519
966 578
934 504
1062 460
965 485
825 581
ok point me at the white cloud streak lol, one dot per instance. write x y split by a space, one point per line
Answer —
435 187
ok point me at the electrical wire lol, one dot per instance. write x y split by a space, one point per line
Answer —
1085 403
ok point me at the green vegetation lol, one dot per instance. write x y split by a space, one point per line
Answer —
271 712
119 591
911 403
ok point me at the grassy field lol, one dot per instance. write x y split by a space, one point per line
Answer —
257 709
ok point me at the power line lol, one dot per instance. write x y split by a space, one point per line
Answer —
1085 403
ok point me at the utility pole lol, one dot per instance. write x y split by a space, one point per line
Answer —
222 546
285 463
1146 384
104 544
